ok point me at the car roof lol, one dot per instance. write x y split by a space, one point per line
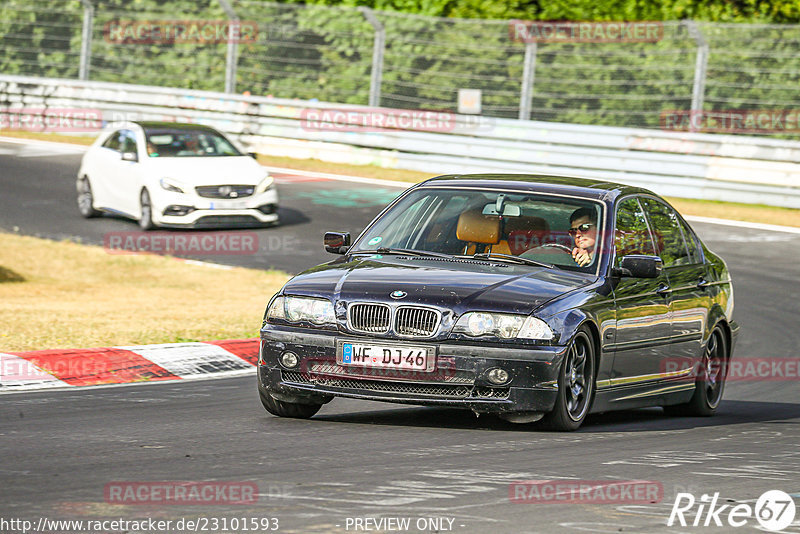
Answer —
546 183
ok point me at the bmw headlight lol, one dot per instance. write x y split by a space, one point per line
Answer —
302 309
264 184
171 185
502 325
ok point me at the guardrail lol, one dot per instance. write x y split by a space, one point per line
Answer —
705 166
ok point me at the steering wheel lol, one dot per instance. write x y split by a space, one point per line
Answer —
559 246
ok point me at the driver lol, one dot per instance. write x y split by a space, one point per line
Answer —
583 228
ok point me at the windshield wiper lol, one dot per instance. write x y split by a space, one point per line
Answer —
404 251
517 259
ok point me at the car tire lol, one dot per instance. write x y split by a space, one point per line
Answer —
287 409
146 206
576 385
86 199
710 381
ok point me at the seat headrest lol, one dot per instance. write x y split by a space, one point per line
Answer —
526 222
475 227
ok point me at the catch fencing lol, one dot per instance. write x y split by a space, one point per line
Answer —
379 58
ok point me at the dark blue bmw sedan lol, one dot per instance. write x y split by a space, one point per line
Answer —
526 296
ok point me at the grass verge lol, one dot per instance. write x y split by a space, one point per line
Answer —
66 295
705 208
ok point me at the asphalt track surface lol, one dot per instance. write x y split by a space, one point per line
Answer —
358 460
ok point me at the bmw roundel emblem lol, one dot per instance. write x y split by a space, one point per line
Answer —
398 294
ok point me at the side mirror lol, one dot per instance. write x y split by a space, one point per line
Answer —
337 242
639 266
253 155
130 156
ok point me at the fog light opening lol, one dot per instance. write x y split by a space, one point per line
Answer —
289 359
498 376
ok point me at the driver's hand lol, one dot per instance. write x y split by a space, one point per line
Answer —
581 256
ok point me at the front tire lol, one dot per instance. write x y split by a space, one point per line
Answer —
86 199
287 409
710 382
576 385
146 218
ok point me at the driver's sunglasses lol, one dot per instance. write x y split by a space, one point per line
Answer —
582 228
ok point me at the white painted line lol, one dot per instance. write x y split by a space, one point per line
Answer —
342 177
66 146
188 360
744 224
206 264
18 374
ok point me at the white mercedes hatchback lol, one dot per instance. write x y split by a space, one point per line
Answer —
174 175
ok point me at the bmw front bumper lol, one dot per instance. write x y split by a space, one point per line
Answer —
460 378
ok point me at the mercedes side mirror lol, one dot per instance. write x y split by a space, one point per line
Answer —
639 266
130 156
337 242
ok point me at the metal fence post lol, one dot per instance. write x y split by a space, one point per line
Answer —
231 58
700 68
528 76
86 40
378 47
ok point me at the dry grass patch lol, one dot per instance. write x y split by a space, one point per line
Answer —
66 295
738 212
57 137
366 171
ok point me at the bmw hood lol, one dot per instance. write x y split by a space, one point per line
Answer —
459 285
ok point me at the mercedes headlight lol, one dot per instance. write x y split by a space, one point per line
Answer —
302 309
502 325
264 184
171 185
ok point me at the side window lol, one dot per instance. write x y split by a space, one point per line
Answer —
632 235
127 141
667 230
113 141
695 252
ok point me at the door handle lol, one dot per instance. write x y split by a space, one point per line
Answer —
663 289
703 283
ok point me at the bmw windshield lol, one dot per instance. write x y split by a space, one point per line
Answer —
484 224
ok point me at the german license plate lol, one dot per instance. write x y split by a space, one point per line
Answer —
227 205
386 356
